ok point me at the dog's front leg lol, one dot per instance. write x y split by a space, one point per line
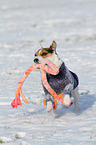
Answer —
49 102
49 106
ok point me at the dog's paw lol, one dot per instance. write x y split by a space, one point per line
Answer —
66 100
49 106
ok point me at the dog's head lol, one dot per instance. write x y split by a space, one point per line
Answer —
44 53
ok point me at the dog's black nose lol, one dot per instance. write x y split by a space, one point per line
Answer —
36 60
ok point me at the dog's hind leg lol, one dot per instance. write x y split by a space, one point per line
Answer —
75 94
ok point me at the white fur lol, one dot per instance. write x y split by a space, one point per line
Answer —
49 106
40 58
67 100
55 59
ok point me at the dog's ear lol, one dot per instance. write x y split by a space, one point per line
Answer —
53 46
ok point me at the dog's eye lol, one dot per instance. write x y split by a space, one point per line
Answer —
44 54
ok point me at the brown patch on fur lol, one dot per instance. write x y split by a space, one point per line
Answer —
53 45
47 52
37 53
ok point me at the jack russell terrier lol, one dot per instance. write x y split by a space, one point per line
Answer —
65 81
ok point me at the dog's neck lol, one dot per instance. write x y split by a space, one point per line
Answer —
55 60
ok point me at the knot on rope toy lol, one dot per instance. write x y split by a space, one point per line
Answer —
49 68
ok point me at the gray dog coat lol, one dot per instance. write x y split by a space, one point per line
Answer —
64 82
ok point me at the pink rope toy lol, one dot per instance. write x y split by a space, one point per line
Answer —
49 68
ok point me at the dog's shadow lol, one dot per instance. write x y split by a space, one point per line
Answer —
86 101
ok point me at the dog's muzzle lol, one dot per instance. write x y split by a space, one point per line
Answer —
36 60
